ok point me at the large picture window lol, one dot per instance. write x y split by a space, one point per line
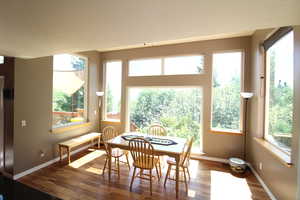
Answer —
226 89
69 90
279 93
113 83
178 110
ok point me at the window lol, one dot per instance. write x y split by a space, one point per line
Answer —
147 67
1 59
69 90
226 88
179 110
279 93
113 90
167 66
183 65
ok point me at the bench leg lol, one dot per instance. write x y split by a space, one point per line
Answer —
60 154
69 157
99 142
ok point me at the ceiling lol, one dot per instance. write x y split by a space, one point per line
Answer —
35 28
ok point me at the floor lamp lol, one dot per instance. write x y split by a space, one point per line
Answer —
246 96
99 95
237 164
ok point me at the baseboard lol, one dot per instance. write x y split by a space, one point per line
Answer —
222 160
268 191
29 171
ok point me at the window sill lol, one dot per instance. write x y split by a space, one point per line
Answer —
283 157
70 127
223 132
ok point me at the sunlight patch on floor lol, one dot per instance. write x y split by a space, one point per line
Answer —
94 170
86 159
226 186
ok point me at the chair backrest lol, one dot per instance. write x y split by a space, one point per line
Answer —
141 151
108 133
185 159
157 130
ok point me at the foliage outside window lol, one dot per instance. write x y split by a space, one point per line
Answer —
1 59
179 110
279 93
179 65
226 88
113 90
69 90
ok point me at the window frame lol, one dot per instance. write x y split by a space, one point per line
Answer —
240 132
162 58
104 103
282 153
85 122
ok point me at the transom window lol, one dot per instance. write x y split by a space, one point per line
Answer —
279 95
167 66
226 89
69 90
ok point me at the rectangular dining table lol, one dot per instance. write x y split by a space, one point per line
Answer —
174 150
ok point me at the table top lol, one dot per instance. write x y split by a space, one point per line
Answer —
175 149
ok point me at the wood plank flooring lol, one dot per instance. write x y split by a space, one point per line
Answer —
82 179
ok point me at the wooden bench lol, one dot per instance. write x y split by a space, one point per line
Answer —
74 142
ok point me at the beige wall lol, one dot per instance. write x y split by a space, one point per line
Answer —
33 103
216 145
281 179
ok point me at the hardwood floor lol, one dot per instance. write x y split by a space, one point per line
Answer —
82 179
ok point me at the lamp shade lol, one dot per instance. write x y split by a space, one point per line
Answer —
246 95
99 94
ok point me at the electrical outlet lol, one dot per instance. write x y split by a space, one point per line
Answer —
23 123
42 153
260 166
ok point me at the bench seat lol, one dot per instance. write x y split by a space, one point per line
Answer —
74 142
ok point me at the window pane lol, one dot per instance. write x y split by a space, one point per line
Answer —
279 93
113 90
184 65
226 88
147 67
1 59
69 89
179 110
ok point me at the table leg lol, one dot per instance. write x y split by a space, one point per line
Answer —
109 162
99 142
177 158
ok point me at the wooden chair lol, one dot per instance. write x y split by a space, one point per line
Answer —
143 158
116 153
183 163
157 130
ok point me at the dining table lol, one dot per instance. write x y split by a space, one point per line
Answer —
174 149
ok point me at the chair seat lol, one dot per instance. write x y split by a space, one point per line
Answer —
139 163
116 152
172 161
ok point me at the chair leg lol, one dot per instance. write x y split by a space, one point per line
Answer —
104 165
158 175
127 161
118 165
150 181
187 169
159 168
132 179
167 175
185 181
